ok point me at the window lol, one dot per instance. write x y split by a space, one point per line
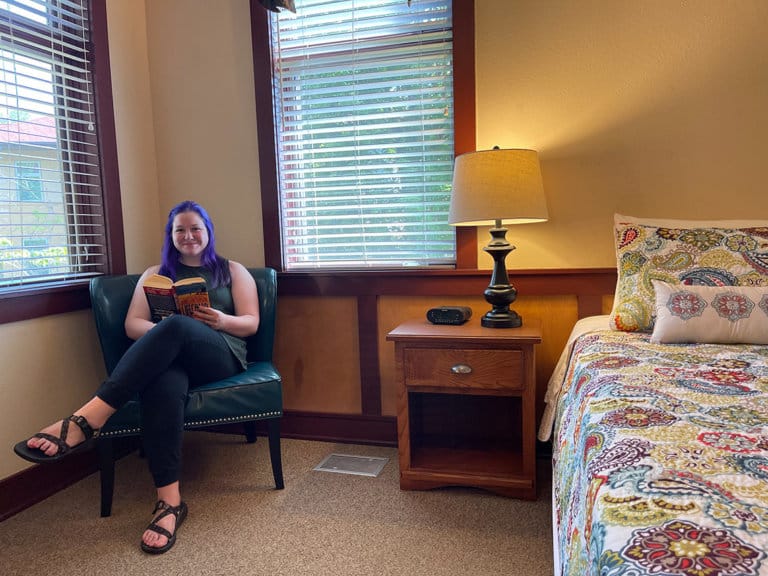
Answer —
364 137
52 219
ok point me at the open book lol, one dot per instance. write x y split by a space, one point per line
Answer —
166 297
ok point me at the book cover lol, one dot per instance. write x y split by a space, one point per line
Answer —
166 297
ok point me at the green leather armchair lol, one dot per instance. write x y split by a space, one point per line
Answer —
255 394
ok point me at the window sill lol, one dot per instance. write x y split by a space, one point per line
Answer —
27 303
442 282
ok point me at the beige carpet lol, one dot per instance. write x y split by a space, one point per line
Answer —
322 523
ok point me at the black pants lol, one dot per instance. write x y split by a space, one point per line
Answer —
177 354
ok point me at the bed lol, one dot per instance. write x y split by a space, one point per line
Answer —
658 412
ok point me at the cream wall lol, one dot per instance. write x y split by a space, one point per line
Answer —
650 107
134 120
201 75
643 107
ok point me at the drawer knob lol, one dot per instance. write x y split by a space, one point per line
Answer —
461 369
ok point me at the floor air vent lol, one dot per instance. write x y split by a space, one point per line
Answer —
348 464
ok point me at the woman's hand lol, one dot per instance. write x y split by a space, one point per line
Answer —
210 317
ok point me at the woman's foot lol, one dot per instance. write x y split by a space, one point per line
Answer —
57 440
43 441
66 436
160 535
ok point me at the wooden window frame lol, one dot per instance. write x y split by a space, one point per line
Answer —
34 301
464 127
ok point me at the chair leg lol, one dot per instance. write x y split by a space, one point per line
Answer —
250 431
273 430
106 454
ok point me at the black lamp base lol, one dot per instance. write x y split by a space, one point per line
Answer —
508 319
500 293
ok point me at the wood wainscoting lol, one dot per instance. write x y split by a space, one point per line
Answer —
338 368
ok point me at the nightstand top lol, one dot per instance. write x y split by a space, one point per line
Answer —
528 333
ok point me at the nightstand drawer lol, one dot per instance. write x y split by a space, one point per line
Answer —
457 368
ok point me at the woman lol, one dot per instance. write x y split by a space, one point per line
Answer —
166 360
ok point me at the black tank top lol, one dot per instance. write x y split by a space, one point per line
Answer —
221 299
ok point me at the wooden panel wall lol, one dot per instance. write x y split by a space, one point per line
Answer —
317 353
338 368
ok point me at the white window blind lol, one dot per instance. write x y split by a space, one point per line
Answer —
51 214
364 132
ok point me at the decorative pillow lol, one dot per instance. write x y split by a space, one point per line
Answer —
713 314
691 252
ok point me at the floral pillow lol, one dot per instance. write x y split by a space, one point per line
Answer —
690 252
713 314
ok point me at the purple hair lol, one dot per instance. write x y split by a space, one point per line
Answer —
217 265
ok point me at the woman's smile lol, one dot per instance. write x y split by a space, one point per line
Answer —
190 237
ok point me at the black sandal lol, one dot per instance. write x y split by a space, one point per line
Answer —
179 511
39 457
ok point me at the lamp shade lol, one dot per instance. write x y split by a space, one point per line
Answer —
493 185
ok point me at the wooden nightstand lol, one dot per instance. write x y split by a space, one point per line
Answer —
466 412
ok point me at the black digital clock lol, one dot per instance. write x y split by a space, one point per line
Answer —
453 315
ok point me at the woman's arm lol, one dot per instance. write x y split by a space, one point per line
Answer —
138 321
245 321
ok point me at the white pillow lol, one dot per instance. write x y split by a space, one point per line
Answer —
712 314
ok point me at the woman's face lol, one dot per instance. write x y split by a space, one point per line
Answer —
190 237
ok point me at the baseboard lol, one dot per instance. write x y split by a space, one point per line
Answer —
343 428
35 484
323 427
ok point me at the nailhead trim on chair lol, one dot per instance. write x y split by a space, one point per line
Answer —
260 415
232 419
120 432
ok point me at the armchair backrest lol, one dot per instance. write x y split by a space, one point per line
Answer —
111 296
262 344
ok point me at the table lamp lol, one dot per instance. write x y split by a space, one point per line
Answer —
497 187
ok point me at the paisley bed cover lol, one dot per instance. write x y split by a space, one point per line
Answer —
660 458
